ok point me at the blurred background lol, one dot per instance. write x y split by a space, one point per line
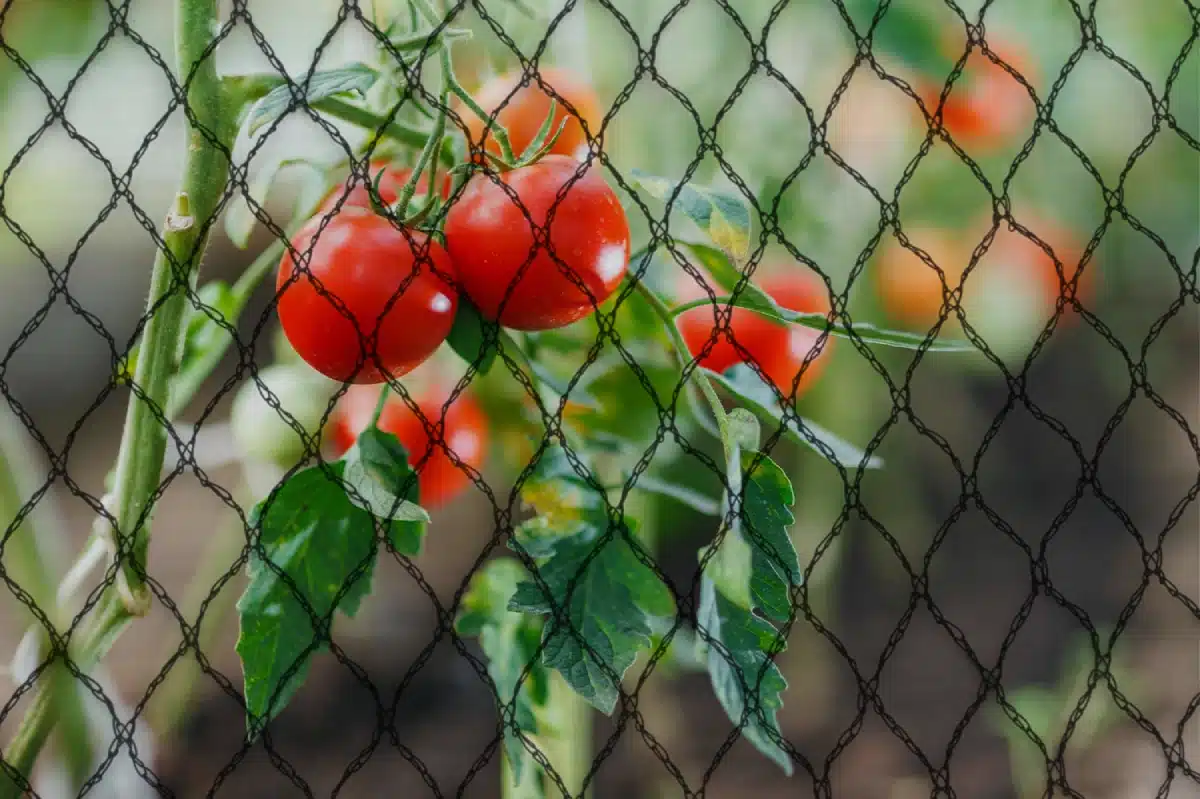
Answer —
1087 458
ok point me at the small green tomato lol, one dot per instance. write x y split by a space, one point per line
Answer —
260 431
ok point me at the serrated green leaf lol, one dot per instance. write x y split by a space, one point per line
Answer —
467 337
907 33
614 598
383 483
352 78
509 641
314 535
725 218
565 503
742 382
756 566
746 682
766 519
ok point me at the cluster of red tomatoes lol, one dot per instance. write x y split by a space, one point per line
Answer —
535 247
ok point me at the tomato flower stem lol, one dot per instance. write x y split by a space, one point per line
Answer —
435 141
210 135
398 131
490 123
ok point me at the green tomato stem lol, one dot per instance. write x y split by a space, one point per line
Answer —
569 750
683 356
435 141
210 135
380 404
490 124
390 129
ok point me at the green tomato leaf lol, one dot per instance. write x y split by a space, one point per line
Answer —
509 641
727 276
767 517
612 598
354 78
742 382
868 333
756 565
380 480
746 681
906 33
725 218
326 547
467 337
205 341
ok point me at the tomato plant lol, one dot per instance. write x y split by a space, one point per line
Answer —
498 265
521 107
440 463
779 349
372 301
511 276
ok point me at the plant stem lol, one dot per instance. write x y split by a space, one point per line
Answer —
392 130
210 135
682 355
490 124
569 749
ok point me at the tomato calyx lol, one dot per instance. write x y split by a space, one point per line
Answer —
541 145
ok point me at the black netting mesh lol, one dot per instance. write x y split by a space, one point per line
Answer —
1007 608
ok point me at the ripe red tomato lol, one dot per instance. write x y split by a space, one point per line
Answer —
390 185
987 106
465 432
490 241
363 260
524 114
778 349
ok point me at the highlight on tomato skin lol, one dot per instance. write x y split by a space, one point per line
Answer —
779 349
987 107
523 114
361 261
390 184
492 244
464 431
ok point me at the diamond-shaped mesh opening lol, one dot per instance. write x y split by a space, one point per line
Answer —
998 609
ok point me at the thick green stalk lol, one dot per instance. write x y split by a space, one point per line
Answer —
206 174
211 132
569 750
